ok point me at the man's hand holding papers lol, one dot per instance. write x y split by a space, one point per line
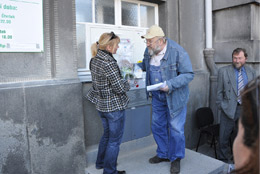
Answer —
156 87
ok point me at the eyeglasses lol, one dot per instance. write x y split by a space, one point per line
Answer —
113 36
150 42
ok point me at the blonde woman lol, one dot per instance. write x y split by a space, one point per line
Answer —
108 93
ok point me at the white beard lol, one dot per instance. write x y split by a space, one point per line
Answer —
154 51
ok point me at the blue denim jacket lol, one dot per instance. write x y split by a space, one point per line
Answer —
177 71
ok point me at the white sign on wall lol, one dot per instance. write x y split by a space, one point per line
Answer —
131 46
21 26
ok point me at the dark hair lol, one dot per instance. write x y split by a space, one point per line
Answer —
113 36
250 121
238 50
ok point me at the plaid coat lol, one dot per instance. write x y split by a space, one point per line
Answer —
108 90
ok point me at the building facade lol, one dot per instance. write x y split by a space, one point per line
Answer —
46 124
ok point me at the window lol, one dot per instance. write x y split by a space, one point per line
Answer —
81 7
146 15
129 14
132 15
105 11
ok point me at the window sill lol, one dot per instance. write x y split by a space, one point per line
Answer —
84 75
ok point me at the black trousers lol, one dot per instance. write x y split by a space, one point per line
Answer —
228 128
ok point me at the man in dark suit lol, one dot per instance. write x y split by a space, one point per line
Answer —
231 80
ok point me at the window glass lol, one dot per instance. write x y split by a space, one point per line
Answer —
147 16
105 11
81 44
129 14
84 10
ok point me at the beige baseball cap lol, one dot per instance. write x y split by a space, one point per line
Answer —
153 31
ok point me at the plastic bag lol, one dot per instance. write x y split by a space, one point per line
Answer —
126 69
138 72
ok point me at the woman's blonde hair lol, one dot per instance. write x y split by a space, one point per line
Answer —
104 40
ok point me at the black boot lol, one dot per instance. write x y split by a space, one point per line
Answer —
175 166
156 159
121 172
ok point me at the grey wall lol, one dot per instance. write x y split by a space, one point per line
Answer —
93 124
221 4
236 24
41 114
137 123
186 26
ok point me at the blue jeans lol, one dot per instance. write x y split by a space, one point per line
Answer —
113 123
168 131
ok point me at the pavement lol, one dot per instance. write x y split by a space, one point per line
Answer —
134 156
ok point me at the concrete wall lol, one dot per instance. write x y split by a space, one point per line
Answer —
93 123
137 123
41 114
222 4
236 24
186 26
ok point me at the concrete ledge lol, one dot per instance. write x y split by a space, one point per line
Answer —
221 4
134 145
134 155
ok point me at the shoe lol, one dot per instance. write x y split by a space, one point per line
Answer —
175 166
156 159
101 167
121 172
98 168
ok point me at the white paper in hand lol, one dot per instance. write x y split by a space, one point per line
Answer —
156 87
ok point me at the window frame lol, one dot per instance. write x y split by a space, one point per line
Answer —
84 73
118 9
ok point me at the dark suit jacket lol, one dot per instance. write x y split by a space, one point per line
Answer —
227 89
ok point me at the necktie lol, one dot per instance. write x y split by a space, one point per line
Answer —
240 86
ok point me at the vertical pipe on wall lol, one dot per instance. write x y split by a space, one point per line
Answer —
209 51
208 6
209 58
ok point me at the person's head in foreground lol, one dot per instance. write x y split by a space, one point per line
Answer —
246 144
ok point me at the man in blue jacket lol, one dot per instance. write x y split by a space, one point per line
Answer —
167 62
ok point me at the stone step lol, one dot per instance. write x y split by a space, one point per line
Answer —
135 161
